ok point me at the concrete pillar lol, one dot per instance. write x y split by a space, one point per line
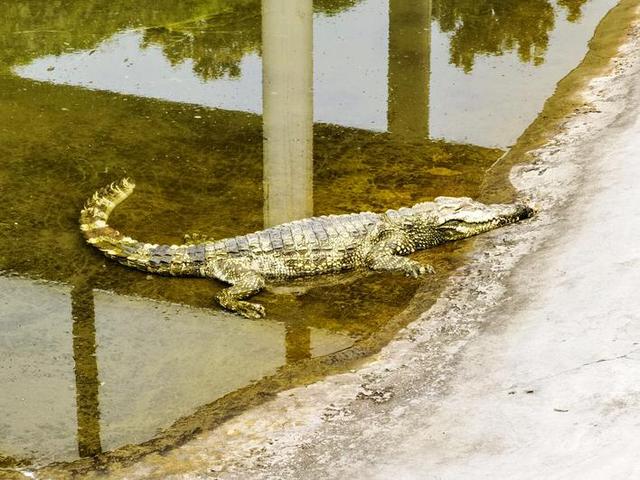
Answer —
287 59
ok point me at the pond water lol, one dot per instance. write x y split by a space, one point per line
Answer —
394 102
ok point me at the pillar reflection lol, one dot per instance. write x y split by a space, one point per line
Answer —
86 370
287 59
409 68
297 342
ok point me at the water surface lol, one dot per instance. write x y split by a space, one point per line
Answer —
492 63
411 100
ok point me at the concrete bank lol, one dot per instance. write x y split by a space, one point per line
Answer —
527 367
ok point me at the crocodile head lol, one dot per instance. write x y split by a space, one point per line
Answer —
460 217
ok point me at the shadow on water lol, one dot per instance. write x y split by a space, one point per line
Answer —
102 363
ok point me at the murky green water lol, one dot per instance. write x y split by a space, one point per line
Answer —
412 99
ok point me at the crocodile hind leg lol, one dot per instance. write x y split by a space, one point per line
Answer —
244 283
386 256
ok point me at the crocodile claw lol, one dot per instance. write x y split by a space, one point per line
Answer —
416 270
250 310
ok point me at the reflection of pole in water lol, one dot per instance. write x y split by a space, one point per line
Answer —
287 59
409 67
298 342
86 369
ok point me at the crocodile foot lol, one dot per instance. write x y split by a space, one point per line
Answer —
250 310
242 307
415 269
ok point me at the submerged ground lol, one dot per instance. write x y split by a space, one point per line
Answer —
106 365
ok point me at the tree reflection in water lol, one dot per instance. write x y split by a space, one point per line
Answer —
216 34
573 7
478 27
495 27
216 44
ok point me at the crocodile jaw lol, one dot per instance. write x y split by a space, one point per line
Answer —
459 218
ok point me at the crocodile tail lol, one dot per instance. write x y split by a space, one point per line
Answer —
164 259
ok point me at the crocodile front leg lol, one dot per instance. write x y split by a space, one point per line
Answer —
386 256
395 263
244 283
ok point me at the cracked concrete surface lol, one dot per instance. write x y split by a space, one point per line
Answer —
526 367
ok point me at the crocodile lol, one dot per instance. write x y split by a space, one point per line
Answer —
311 246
